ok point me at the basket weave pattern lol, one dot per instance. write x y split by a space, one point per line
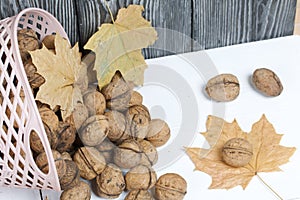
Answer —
18 111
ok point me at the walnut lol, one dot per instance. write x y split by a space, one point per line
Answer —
136 99
117 126
128 154
71 177
94 130
223 87
120 103
82 191
138 120
237 152
42 163
66 134
36 143
28 41
139 195
267 82
66 156
149 155
35 79
89 161
158 132
140 177
95 102
170 186
110 183
48 116
106 148
116 87
78 116
49 41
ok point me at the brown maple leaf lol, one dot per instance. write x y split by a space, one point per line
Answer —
268 154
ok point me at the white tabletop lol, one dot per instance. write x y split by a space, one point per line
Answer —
173 91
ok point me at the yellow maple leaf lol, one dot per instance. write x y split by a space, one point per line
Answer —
268 154
118 46
61 70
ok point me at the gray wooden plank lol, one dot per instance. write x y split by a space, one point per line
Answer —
172 19
63 10
222 23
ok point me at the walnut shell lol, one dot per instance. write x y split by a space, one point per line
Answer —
42 163
158 132
66 156
116 87
94 130
149 155
170 186
267 82
120 103
48 116
128 154
49 41
223 87
36 143
138 120
110 183
95 102
28 41
237 152
71 177
35 79
140 177
78 116
89 161
139 195
136 99
82 191
117 126
107 149
66 134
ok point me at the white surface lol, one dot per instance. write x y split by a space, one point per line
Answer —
281 55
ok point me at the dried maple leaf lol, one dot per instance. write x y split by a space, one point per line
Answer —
118 46
268 154
63 73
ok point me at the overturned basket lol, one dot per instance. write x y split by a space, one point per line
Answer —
17 166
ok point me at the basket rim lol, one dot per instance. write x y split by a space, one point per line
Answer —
31 98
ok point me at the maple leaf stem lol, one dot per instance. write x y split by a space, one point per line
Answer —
268 186
109 10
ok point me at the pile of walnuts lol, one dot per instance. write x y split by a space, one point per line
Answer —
111 132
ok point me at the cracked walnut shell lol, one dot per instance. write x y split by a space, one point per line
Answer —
149 153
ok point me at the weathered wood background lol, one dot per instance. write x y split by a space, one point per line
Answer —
183 25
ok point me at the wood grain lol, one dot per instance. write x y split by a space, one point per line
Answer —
183 26
223 23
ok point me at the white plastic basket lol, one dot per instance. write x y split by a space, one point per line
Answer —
17 166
